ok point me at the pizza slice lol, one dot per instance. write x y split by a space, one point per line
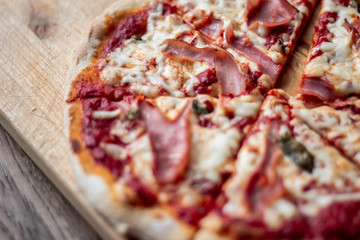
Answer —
136 47
339 125
288 184
332 71
154 167
260 33
185 48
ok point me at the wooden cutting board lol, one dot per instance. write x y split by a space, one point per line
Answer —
37 42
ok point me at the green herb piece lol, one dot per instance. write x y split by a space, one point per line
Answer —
137 37
133 114
283 47
296 151
199 109
355 4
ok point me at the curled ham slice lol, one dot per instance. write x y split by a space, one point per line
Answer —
354 27
231 79
244 47
210 27
170 141
270 13
265 185
317 87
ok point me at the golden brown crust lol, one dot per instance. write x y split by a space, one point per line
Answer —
104 23
78 147
89 45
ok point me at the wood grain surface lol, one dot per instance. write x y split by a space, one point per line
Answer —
37 42
30 206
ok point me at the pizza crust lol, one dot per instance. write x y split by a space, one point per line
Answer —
153 223
147 223
88 44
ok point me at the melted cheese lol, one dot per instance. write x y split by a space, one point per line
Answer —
211 150
106 114
247 164
279 212
171 107
338 126
122 131
340 59
247 105
272 108
131 64
313 207
115 151
142 159
333 179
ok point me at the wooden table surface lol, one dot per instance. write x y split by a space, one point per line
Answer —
30 205
38 39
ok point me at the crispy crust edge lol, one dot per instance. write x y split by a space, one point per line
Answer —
83 55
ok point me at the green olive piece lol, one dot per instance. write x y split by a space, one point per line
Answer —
296 151
137 37
133 114
199 109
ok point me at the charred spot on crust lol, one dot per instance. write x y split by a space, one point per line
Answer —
75 145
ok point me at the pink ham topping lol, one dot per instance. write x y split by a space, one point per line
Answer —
210 27
170 141
270 13
231 79
244 47
354 27
317 87
266 186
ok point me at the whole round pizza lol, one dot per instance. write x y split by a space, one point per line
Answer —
178 132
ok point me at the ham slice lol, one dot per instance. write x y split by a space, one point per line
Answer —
231 80
244 47
354 27
270 13
170 141
210 27
135 24
266 186
317 87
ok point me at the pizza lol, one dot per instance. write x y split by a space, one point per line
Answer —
176 131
